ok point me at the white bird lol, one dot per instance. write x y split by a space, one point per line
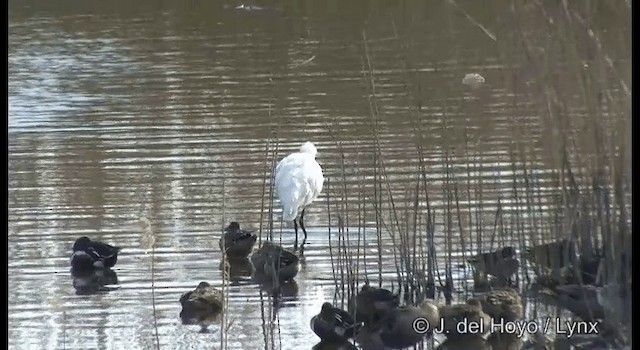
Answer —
298 181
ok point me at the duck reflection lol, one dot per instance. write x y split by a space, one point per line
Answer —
239 269
93 281
287 289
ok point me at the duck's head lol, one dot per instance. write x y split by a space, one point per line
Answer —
233 226
203 285
365 288
308 148
508 252
81 243
327 309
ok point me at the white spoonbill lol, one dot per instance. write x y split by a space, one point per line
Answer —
299 181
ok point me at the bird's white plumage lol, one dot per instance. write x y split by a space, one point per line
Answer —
298 181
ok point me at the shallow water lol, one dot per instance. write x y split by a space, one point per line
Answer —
174 113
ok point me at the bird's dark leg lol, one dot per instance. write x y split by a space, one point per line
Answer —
302 225
304 241
295 226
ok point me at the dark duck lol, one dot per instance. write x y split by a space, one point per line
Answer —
238 243
88 254
333 324
202 306
372 305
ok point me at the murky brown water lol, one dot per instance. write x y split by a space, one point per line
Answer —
118 111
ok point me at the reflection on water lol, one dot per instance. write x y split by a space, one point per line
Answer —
239 269
118 111
93 281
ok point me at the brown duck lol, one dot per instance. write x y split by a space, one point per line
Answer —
202 306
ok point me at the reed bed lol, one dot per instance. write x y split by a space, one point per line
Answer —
560 194
564 180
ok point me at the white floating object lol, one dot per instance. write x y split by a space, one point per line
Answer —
473 80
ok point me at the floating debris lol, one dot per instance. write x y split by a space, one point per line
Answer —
302 63
474 80
249 7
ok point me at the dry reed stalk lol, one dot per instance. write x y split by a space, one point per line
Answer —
479 196
412 264
470 178
331 255
588 214
430 241
448 241
267 173
225 279
413 245
64 330
274 160
343 221
149 242
264 324
362 215
379 169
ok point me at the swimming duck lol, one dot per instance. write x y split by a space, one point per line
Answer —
334 324
485 261
538 341
88 254
399 328
505 304
588 269
237 243
616 300
202 306
274 262
471 311
370 339
372 305
582 300
552 255
500 264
